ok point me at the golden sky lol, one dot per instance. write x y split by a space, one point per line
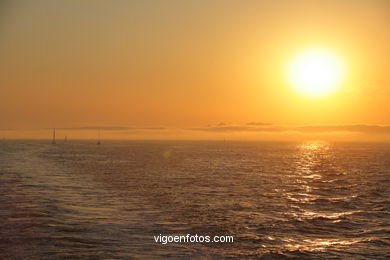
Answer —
190 69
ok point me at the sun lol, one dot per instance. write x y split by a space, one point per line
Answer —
316 72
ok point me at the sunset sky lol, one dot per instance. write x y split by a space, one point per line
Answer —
191 69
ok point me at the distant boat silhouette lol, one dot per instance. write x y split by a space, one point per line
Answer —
98 142
54 136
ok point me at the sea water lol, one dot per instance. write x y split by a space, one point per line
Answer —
79 200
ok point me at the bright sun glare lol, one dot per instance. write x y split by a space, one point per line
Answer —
316 72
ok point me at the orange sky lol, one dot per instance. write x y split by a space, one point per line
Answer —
177 69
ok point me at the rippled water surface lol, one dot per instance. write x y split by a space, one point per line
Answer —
78 200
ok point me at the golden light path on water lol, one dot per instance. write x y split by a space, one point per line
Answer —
314 157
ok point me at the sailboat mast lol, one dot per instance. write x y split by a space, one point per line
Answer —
54 136
98 142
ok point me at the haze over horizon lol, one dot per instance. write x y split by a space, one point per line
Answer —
191 70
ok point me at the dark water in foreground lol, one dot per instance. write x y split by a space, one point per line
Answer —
279 200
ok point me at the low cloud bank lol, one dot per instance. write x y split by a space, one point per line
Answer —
111 128
345 128
251 127
369 129
255 127
237 129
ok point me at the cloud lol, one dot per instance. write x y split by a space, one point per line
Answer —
344 128
369 129
110 128
236 129
249 127
257 123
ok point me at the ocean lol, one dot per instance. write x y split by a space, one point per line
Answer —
287 200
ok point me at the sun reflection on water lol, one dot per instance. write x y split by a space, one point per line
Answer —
318 244
308 200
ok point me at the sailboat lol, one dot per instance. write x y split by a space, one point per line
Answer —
98 142
54 136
